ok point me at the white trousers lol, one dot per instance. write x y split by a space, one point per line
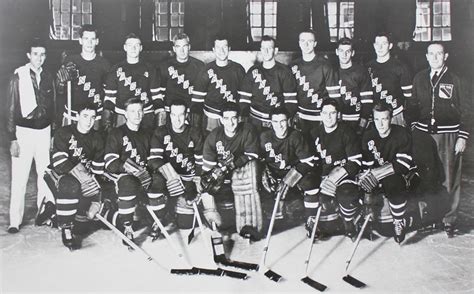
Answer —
34 144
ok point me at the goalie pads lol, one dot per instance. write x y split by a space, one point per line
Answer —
132 168
210 211
173 180
331 181
248 209
89 185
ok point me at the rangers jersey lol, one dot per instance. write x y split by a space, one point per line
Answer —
264 89
316 80
283 154
391 83
127 81
89 86
182 150
71 147
356 93
123 143
395 148
341 147
216 85
440 104
243 145
177 81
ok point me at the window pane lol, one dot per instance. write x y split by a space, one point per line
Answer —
270 20
76 19
174 32
57 18
76 6
65 33
174 7
446 34
255 6
446 7
87 19
333 35
256 34
162 7
332 8
332 21
437 7
65 5
162 34
75 33
56 5
270 7
270 32
255 20
446 20
181 20
174 20
426 35
86 6
181 7
437 20
437 34
65 21
163 20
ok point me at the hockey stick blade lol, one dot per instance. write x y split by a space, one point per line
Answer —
221 272
273 276
237 264
354 282
312 283
188 272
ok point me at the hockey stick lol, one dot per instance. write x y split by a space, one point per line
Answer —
269 273
127 240
218 271
219 253
191 234
69 102
349 279
307 280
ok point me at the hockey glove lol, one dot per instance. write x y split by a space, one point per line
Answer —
89 185
367 181
332 180
383 171
173 181
292 177
132 168
67 72
210 212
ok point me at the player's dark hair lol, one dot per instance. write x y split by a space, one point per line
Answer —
35 43
180 36
382 107
308 32
88 28
221 37
442 44
278 111
131 101
179 102
266 38
332 102
384 34
230 106
87 106
345 41
132 36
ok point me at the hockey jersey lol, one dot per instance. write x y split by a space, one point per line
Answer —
216 85
356 93
448 112
264 89
182 150
316 80
177 81
243 145
123 143
127 81
283 154
391 83
395 148
341 147
71 147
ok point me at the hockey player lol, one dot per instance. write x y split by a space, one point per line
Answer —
356 93
130 78
217 83
77 156
339 155
30 107
176 163
266 86
316 80
288 160
87 71
177 80
229 175
441 113
391 79
126 151
386 151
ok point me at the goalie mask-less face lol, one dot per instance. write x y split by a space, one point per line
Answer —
280 125
134 114
382 120
221 50
307 43
329 117
178 117
181 49
86 120
88 41
230 120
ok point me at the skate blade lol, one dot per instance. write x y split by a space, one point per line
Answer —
273 276
314 284
354 282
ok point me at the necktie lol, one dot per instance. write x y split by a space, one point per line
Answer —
434 79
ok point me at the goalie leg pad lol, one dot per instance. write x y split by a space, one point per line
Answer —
184 214
67 199
247 199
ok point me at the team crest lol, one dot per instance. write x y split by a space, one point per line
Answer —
446 91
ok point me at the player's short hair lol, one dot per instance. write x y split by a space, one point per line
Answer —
266 38
332 102
132 36
179 102
312 32
384 34
278 111
231 106
133 100
180 36
88 28
442 44
345 41
87 106
35 43
221 37
382 107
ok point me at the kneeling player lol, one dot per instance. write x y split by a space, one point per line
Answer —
287 158
176 162
338 152
229 165
386 153
77 156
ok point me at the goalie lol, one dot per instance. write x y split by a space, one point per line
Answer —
77 157
230 175
176 162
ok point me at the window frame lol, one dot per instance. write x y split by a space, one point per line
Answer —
338 19
250 38
71 25
431 26
155 25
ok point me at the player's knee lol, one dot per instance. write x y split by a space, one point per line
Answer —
69 187
128 185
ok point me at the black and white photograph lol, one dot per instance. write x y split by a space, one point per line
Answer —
236 146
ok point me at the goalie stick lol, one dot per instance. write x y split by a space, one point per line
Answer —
307 280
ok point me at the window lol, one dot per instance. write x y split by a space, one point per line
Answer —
340 16
169 19
68 17
263 18
433 20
